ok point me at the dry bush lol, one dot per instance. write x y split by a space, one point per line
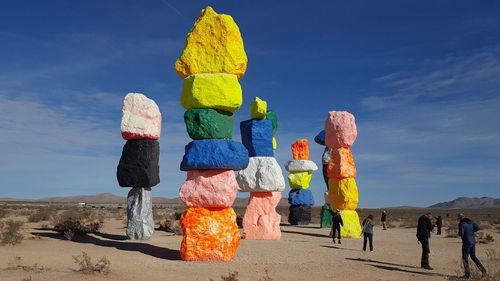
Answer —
452 231
43 214
484 238
171 223
4 212
232 276
10 232
491 263
36 268
73 222
266 277
86 266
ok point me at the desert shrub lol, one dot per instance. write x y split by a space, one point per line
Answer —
484 238
491 263
86 266
232 276
4 213
171 223
36 268
390 224
485 225
266 277
43 214
452 231
10 232
73 222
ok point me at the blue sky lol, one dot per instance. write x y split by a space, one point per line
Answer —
421 77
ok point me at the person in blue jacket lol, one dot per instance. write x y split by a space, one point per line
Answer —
466 230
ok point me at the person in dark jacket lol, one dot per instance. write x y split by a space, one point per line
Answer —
424 228
439 224
383 219
466 230
368 232
336 223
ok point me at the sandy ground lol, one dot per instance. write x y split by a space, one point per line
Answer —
303 253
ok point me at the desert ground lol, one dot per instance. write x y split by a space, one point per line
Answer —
303 253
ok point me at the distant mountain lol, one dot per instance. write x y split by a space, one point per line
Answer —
469 203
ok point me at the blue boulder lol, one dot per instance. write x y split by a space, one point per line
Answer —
257 137
320 138
214 154
300 197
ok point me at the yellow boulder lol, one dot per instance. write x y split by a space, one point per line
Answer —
258 109
351 227
300 180
217 91
275 144
343 194
214 45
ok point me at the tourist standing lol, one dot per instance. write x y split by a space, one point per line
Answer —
439 224
336 223
424 228
466 230
368 232
383 219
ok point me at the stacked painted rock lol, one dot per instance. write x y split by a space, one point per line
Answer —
263 177
211 63
300 197
341 132
325 216
138 167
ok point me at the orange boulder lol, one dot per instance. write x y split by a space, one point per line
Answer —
341 164
209 234
300 150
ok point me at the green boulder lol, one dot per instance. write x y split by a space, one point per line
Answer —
326 217
271 116
209 124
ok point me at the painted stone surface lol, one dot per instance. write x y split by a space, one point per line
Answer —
300 150
138 166
271 116
351 227
261 221
209 188
217 91
209 234
257 136
300 197
343 193
300 166
141 118
325 217
214 154
299 214
275 144
341 164
261 174
320 138
299 180
209 124
340 129
258 109
140 223
214 45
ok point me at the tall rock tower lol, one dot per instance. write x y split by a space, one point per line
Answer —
211 63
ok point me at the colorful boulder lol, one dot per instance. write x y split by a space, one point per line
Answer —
261 221
271 116
263 174
141 118
256 136
340 129
258 109
214 45
214 154
275 144
300 166
300 197
343 193
351 227
341 164
320 138
325 216
217 91
300 150
299 180
299 214
209 234
209 188
209 124
138 166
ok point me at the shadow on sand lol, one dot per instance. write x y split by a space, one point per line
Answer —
119 242
391 267
339 248
305 233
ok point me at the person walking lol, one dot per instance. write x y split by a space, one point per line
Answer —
368 232
336 223
383 219
466 230
439 224
424 228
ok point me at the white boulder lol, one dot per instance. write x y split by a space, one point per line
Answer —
300 166
263 174
141 118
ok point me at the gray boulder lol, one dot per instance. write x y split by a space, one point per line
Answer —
140 224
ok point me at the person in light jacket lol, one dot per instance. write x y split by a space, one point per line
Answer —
368 232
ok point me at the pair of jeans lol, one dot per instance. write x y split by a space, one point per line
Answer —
335 229
424 241
470 250
369 237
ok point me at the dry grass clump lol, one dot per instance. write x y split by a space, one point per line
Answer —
42 214
171 223
232 276
452 231
86 266
4 212
10 232
35 268
484 238
491 263
73 222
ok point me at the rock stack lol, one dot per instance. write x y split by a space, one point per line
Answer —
300 197
325 216
263 177
211 63
138 167
340 134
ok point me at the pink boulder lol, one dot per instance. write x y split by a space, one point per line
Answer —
340 128
141 118
261 221
209 188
